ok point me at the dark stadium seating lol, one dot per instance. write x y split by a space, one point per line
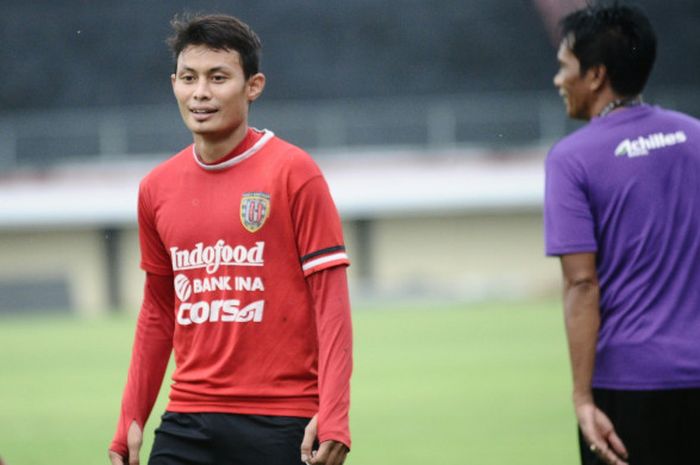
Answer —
396 72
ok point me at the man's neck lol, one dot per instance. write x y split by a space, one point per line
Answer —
610 102
210 148
601 100
620 104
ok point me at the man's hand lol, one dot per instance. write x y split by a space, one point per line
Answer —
134 439
600 434
328 453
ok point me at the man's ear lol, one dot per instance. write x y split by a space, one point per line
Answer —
255 86
597 76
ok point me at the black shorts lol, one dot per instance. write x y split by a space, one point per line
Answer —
227 439
657 427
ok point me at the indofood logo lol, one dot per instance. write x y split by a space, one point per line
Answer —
643 145
213 257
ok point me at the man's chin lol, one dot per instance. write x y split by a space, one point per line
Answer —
200 129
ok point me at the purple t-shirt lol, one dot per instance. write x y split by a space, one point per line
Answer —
627 187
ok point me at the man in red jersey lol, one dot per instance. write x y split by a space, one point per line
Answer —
245 280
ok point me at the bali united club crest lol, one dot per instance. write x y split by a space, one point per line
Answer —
255 209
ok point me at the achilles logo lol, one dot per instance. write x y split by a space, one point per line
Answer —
643 145
220 310
213 256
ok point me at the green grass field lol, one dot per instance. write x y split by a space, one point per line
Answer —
455 385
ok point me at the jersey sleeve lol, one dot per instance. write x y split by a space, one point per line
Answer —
569 225
149 358
154 256
318 230
329 290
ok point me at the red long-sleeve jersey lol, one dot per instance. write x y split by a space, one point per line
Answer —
246 283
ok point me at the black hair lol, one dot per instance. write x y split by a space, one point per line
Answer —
620 37
219 32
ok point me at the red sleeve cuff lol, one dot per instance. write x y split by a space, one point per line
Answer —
119 448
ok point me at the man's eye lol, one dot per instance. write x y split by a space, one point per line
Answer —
218 78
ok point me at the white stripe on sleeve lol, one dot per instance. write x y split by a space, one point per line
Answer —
326 259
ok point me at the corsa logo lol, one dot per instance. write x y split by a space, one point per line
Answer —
220 310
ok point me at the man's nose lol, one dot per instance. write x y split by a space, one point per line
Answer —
202 91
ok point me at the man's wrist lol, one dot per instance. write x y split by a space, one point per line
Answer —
582 397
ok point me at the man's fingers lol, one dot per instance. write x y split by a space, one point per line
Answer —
336 456
611 457
321 457
330 453
617 445
613 451
599 432
612 448
607 452
306 446
308 442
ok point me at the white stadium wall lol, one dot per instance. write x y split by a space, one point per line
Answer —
52 269
475 256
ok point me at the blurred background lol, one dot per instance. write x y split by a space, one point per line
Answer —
431 121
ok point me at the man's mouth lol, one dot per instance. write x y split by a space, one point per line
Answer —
202 114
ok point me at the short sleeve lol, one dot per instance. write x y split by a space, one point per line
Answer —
154 257
568 220
318 228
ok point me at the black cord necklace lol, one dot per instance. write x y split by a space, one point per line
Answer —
620 103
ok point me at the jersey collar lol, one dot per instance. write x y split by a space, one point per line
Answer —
267 135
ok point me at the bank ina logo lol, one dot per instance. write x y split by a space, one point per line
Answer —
183 287
643 145
255 209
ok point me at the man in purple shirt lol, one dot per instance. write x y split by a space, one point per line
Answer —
622 211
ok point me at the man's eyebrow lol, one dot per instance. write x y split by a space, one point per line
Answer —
215 69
